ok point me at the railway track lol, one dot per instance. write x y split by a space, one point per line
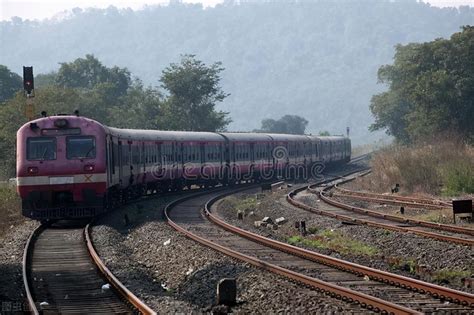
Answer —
357 215
360 286
414 202
62 273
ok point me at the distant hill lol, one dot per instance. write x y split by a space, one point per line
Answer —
315 59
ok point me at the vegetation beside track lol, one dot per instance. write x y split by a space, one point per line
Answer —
10 209
333 240
443 167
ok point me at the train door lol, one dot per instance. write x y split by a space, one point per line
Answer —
109 160
252 153
120 160
174 164
202 150
158 170
181 158
144 157
330 151
129 171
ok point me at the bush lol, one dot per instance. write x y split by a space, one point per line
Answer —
10 208
442 167
459 178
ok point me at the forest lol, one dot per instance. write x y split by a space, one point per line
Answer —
315 59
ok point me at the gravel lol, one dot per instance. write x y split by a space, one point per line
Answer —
12 244
396 252
174 274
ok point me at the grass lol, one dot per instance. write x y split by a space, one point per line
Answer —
244 204
444 167
313 230
10 208
329 239
401 263
443 276
451 276
444 216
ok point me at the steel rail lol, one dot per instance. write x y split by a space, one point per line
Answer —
26 279
415 201
395 218
332 290
434 290
392 201
122 289
290 198
438 226
441 237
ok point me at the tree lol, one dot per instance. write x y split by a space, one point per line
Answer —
431 89
273 126
43 79
292 124
139 109
324 133
10 83
90 73
194 90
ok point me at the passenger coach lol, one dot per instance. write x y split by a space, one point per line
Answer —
74 167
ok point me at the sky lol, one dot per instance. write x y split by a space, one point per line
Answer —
41 9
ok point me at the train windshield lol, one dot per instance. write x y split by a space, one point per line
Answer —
41 148
80 147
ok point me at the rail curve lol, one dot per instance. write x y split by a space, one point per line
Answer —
386 221
184 216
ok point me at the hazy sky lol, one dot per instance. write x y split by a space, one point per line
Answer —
40 9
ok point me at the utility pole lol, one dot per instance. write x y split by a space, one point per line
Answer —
29 87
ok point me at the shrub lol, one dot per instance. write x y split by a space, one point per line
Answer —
10 208
444 166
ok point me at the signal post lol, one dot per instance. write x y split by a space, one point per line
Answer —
29 87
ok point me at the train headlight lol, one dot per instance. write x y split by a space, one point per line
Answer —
32 170
88 168
60 123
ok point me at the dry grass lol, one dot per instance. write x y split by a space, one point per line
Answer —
330 239
444 167
10 209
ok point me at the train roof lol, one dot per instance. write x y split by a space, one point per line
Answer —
285 137
163 135
332 138
237 136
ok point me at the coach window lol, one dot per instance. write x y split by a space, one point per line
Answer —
41 148
80 147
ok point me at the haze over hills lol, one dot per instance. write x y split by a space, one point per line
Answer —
314 59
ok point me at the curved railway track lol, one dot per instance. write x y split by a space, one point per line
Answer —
349 213
414 202
358 285
62 273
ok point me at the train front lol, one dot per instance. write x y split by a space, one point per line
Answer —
61 167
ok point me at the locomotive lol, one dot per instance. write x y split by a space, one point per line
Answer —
70 166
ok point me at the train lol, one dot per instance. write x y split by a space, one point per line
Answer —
70 166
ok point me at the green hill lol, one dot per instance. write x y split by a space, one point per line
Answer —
316 59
